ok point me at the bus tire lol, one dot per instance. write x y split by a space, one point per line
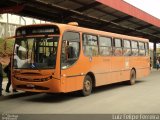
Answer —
132 80
87 86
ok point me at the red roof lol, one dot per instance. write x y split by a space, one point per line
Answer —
131 10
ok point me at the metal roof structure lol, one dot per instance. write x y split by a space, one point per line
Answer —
106 15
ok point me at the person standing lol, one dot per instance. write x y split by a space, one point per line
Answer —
7 70
1 78
157 63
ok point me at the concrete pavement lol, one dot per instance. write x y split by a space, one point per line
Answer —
143 97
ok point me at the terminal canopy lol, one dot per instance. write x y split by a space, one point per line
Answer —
100 14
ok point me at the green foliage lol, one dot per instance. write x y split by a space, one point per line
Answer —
1 46
6 50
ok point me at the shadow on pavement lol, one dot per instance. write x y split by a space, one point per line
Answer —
114 86
54 97
62 97
17 95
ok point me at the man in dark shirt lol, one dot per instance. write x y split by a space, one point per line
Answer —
7 70
1 78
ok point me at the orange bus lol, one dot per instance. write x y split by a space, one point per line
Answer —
55 58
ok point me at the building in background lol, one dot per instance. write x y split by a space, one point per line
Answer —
9 22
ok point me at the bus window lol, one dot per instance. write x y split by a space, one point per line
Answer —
35 53
117 47
141 49
70 49
134 48
105 46
147 49
127 48
90 45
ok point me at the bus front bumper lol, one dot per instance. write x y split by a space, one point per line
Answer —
50 86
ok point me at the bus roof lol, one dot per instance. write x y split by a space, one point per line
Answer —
64 27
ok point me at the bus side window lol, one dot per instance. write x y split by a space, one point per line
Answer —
134 45
147 49
142 49
90 45
117 49
70 49
105 46
127 48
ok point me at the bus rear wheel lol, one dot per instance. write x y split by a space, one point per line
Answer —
87 86
132 80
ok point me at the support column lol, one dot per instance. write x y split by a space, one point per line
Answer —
154 54
7 27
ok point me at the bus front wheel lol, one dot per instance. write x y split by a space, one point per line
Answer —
87 86
132 80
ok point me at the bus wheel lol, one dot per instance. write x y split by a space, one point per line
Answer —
87 86
132 80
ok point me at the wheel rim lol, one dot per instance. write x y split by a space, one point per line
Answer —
87 86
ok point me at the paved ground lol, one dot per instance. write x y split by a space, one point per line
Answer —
144 97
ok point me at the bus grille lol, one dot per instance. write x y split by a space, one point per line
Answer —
34 80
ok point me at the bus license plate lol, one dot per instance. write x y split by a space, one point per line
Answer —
30 85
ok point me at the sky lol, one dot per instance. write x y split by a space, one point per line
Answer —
150 6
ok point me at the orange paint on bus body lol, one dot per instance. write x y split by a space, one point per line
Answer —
103 69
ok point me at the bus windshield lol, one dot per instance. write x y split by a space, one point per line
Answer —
35 53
